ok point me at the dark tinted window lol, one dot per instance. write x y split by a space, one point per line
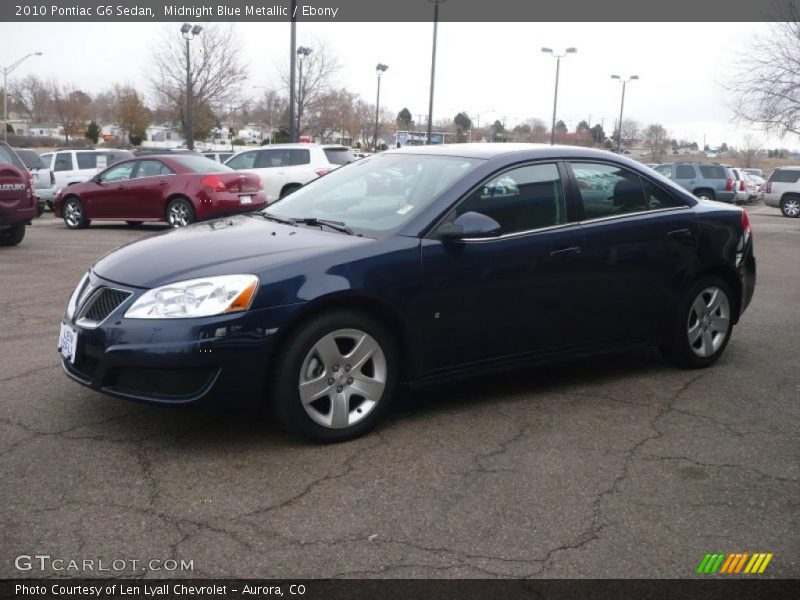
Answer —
8 156
608 190
223 156
152 168
245 160
299 157
713 172
785 175
282 157
115 156
30 159
339 156
521 199
87 160
63 161
200 164
684 172
665 170
657 198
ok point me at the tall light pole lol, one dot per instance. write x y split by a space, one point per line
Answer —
380 70
622 106
270 98
436 4
188 32
558 58
302 53
292 69
6 71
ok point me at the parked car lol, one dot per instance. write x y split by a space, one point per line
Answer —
487 256
745 191
18 204
44 182
178 189
707 181
74 166
783 191
219 156
757 172
758 184
286 167
153 151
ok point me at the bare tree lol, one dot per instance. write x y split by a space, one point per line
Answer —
656 141
130 113
216 72
70 108
748 153
766 92
316 74
32 95
270 110
103 106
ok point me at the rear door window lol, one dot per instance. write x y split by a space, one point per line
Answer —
121 172
785 176
608 190
152 168
87 160
63 161
713 171
684 172
245 160
299 157
7 156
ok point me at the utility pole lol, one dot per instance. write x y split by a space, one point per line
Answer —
292 67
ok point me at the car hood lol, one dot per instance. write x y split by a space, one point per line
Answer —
232 245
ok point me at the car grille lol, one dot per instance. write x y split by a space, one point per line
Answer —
101 304
164 384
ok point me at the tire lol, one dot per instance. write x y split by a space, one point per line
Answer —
790 206
13 235
314 370
289 188
73 213
180 213
705 194
134 223
702 325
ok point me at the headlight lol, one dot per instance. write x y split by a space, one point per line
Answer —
73 300
196 298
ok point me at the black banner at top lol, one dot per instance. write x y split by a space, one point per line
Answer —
399 10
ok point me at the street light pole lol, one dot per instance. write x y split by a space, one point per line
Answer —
558 58
436 4
6 71
292 68
189 34
302 52
380 70
622 106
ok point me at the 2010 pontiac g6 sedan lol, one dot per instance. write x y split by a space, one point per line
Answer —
412 266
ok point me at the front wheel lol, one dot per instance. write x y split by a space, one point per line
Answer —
336 377
180 213
13 235
702 326
790 207
74 214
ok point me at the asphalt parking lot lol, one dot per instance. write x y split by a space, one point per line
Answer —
619 466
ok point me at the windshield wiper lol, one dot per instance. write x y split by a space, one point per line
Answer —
336 225
276 218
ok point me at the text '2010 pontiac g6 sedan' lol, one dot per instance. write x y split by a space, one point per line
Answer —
412 266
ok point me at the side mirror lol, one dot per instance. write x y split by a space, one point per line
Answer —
469 225
97 179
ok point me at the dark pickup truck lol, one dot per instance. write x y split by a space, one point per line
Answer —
18 204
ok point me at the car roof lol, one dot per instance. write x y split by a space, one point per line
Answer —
524 151
788 168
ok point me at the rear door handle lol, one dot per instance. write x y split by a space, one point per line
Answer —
571 251
681 234
163 182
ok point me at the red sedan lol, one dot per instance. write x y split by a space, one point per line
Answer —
178 189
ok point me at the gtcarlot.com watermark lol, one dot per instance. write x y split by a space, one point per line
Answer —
46 562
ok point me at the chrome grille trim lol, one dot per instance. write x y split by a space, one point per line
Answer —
100 304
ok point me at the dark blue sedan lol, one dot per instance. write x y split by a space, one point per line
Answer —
412 266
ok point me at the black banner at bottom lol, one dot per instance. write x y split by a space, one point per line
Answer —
405 589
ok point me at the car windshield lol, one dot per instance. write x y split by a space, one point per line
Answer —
8 156
200 164
377 194
339 156
31 159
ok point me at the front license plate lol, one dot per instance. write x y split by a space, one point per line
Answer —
246 199
67 342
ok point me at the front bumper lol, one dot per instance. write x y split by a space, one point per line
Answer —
210 360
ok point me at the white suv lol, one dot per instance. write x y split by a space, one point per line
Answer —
285 167
783 190
76 166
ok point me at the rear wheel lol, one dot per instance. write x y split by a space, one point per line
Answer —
180 213
704 194
790 207
703 324
336 377
74 215
13 235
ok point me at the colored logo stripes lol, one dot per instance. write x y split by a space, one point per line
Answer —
739 562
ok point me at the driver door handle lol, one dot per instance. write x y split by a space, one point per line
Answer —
571 251
681 234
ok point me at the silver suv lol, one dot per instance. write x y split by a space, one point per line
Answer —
783 191
709 181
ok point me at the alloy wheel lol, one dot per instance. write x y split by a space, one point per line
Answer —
708 324
342 378
73 214
791 207
178 214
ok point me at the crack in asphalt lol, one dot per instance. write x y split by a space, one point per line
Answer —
724 466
